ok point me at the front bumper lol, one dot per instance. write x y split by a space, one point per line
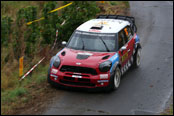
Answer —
80 80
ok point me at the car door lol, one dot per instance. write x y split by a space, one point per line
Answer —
123 49
130 43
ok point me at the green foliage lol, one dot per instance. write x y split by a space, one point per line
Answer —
27 37
5 30
48 25
76 14
113 2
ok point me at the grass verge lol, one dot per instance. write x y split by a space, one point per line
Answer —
168 111
114 7
22 93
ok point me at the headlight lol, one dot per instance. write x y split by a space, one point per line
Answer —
105 66
56 62
52 59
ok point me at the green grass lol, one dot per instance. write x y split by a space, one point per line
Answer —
113 2
126 3
42 76
11 95
20 92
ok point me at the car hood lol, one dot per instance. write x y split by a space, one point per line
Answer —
83 58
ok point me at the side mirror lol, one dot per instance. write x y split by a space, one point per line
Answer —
63 43
123 48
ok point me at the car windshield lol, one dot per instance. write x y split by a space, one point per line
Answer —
88 41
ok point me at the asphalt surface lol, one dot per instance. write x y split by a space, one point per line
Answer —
142 91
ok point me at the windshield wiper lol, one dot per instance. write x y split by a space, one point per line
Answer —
104 44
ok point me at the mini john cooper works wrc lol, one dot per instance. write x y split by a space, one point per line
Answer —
97 54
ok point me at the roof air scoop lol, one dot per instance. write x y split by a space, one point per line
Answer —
99 27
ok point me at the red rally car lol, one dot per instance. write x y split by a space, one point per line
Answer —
97 54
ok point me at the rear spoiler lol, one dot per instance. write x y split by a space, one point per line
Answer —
127 18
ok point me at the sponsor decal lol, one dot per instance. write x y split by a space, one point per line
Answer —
101 81
76 76
114 59
78 63
94 30
124 57
53 75
77 73
54 71
103 76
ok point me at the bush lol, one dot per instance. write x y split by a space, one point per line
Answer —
28 39
5 30
48 25
75 15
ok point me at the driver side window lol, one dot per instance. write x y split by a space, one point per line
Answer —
128 32
122 39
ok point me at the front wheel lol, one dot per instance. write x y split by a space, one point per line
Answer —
115 80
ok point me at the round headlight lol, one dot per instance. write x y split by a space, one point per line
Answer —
105 66
56 62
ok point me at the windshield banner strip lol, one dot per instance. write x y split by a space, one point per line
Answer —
95 34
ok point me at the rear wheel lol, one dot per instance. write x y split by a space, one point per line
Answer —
136 60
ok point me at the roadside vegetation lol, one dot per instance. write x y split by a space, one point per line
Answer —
168 111
34 41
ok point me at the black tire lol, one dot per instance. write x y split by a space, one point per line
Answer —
48 77
114 80
136 58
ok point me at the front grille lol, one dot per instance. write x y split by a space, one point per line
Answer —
79 79
78 69
77 83
69 78
77 74
83 80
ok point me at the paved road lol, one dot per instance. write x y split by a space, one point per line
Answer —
144 90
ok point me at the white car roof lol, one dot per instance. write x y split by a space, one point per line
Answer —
109 25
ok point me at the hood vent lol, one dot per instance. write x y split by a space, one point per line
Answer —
63 53
105 57
82 57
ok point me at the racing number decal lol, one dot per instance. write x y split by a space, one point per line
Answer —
124 57
126 31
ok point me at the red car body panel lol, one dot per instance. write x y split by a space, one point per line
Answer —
129 50
92 62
